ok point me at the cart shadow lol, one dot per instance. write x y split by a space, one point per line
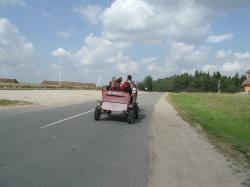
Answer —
121 117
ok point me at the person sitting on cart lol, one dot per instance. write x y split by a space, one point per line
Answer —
117 84
130 87
111 82
127 85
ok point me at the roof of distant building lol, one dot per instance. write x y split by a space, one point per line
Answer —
246 82
4 80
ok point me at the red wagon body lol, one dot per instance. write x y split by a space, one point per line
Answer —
117 101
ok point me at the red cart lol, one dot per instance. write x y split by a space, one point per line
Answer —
117 101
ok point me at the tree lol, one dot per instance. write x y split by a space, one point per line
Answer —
141 86
198 82
236 81
148 83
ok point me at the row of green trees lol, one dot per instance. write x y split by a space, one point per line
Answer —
197 82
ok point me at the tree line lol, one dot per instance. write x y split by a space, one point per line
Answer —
197 82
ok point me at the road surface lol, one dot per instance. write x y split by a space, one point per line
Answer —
65 147
48 147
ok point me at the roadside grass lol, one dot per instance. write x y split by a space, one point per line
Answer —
7 102
225 117
4 102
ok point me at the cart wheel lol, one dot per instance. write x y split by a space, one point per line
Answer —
109 114
97 113
136 112
131 116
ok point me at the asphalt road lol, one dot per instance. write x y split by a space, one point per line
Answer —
49 147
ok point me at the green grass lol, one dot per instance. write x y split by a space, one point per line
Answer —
4 102
7 102
225 117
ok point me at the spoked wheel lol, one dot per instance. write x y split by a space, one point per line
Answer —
131 116
109 114
97 113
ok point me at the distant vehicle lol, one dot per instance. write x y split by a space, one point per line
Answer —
118 101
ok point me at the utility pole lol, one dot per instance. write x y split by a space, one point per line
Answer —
60 79
219 84
98 84
60 73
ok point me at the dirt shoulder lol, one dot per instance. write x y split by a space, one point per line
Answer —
180 156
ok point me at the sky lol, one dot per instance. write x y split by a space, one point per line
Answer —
95 40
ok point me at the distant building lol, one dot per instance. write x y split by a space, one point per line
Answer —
246 83
3 80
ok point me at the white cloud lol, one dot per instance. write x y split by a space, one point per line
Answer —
159 20
14 48
180 26
210 68
184 57
97 57
184 24
97 50
243 56
154 21
125 65
185 53
233 61
222 54
98 53
233 56
232 67
157 70
12 3
64 35
60 52
149 60
219 38
90 12
128 20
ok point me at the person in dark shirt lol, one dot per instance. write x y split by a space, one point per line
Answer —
117 84
130 87
127 85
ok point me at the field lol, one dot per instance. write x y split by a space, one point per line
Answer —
225 117
31 86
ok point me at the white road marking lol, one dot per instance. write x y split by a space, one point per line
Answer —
60 121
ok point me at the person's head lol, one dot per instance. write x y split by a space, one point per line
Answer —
113 80
119 80
129 77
